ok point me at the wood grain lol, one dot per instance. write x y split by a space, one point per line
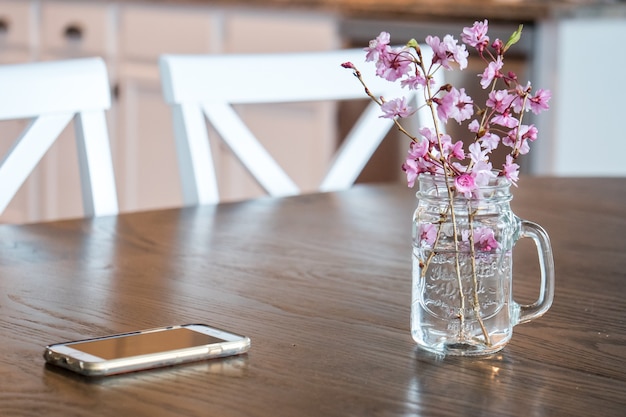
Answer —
321 284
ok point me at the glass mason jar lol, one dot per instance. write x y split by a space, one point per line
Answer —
462 300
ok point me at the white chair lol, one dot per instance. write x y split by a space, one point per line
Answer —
51 94
208 85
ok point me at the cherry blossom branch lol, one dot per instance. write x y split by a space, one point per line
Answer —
431 152
475 301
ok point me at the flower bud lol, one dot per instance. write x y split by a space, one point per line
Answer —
498 46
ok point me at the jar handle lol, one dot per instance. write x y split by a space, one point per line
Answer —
529 312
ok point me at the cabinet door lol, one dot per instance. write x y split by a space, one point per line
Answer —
17 26
70 30
146 149
23 208
77 29
302 137
146 153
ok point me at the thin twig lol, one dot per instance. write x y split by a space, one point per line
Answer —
475 301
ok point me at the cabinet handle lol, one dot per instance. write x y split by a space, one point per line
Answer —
73 32
115 91
4 26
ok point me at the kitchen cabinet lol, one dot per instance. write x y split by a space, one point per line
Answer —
33 31
146 153
130 36
18 30
69 29
146 126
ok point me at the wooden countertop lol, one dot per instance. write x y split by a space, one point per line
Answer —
443 10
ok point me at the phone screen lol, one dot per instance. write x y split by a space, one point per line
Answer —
144 343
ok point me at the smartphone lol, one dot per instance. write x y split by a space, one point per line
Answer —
146 349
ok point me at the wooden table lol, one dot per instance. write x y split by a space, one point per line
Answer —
321 284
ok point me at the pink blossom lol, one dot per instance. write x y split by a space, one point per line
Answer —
376 46
511 170
519 138
489 141
397 107
411 169
539 102
476 36
428 233
482 172
464 106
474 126
521 92
498 121
505 119
459 52
509 140
429 134
413 82
465 184
425 165
524 133
524 147
418 149
512 141
528 132
484 239
447 51
455 104
445 107
500 100
457 151
498 45
393 64
446 143
492 71
459 167
477 153
439 50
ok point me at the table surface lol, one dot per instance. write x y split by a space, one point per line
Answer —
321 284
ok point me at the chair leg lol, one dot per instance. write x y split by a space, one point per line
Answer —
95 163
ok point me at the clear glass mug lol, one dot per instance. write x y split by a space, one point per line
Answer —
462 300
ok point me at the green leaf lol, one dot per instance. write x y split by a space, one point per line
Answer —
515 37
412 44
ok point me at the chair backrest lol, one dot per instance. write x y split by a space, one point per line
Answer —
198 86
51 94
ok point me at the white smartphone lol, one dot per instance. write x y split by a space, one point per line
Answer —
145 349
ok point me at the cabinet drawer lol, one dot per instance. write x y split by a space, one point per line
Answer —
149 31
76 28
17 21
262 31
